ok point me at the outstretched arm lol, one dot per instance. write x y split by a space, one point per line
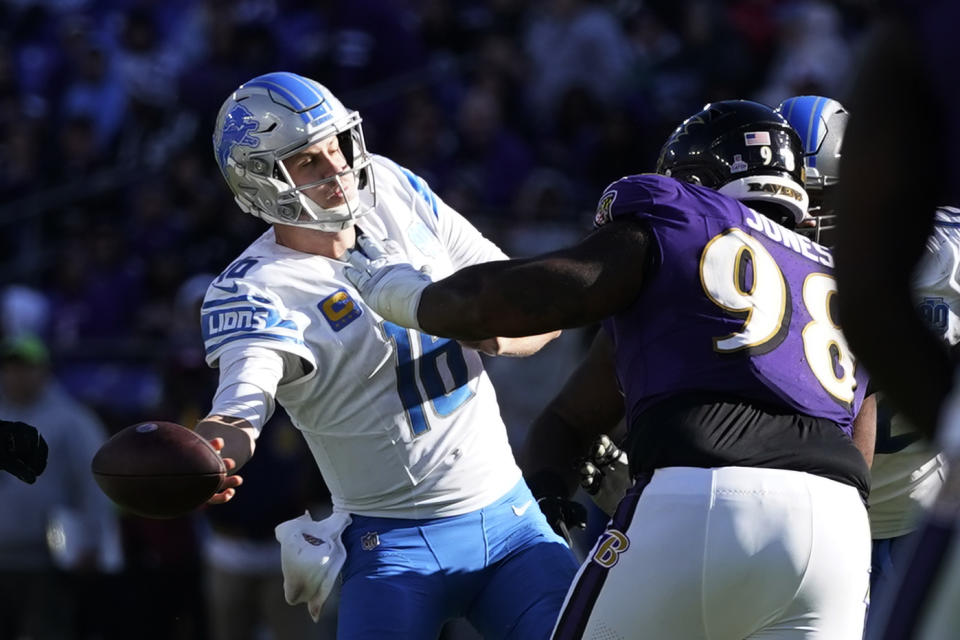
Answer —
568 288
243 403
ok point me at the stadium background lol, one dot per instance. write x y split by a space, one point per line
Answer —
113 216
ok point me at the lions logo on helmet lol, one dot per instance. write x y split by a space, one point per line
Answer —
274 117
237 125
743 149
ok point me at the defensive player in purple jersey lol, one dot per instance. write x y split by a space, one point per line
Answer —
747 518
900 162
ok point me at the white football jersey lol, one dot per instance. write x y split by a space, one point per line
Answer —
401 424
907 473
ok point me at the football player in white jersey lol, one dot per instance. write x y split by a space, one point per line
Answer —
404 426
907 471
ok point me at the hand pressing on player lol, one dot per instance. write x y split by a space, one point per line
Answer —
228 488
389 284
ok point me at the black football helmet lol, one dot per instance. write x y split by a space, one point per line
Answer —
743 149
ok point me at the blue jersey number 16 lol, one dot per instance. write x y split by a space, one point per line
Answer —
437 374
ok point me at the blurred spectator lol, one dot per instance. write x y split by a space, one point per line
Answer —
98 289
301 31
373 42
80 154
575 43
492 161
59 532
545 195
95 92
21 173
37 59
23 311
755 22
188 384
425 143
149 72
616 152
146 68
813 57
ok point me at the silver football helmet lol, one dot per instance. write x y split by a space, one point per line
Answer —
821 123
273 117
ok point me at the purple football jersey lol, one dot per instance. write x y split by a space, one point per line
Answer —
734 304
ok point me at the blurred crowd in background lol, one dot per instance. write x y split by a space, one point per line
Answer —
114 217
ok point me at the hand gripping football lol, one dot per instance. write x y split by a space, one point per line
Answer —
158 469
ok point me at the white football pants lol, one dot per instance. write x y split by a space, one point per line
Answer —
726 554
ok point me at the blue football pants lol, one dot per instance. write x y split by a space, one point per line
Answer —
501 567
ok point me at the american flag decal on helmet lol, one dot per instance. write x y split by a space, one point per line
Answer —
756 138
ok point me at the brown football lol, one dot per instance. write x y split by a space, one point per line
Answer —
158 469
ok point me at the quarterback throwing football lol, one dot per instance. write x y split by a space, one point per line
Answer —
434 517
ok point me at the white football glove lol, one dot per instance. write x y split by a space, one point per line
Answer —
388 283
605 474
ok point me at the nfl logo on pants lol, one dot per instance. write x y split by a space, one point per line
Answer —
370 541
